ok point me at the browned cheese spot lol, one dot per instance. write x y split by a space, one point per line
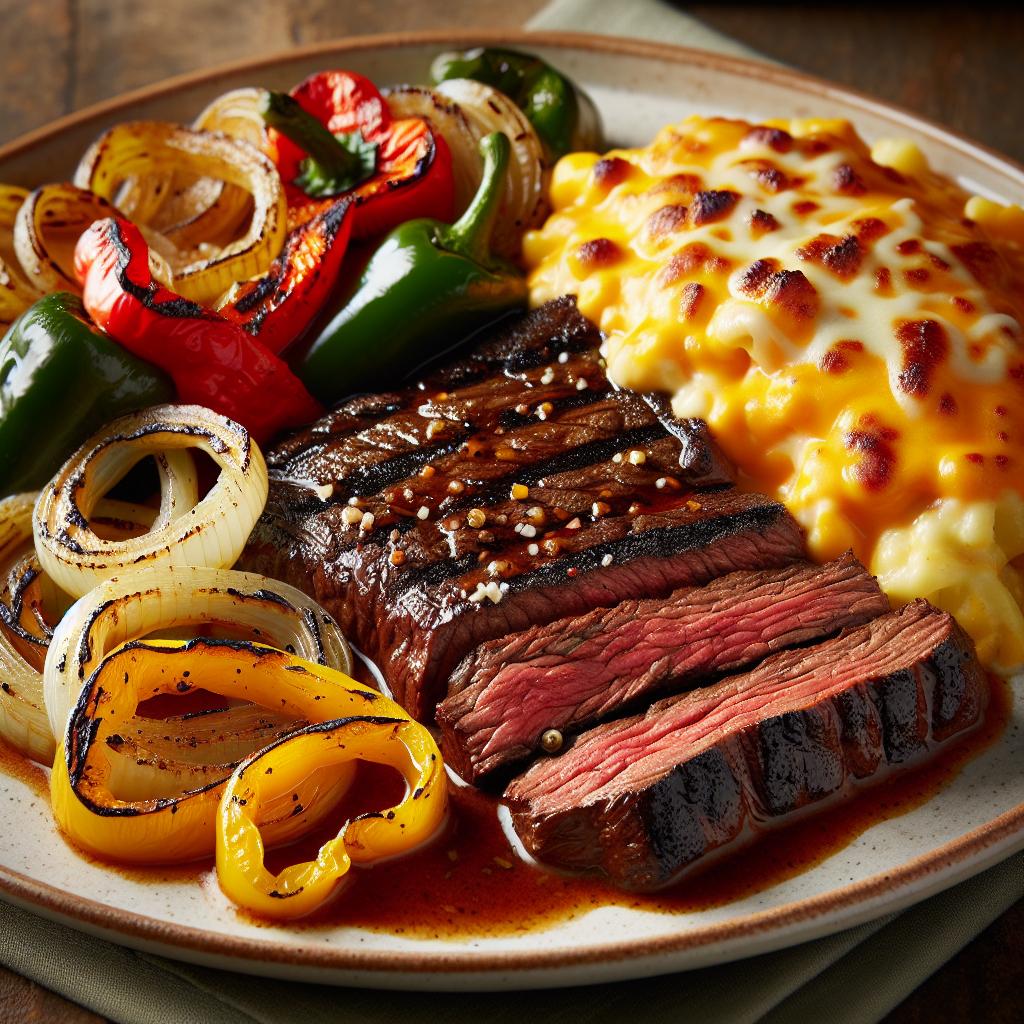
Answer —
774 138
690 299
841 256
665 220
598 253
869 229
925 347
611 171
769 177
878 457
837 359
695 257
708 207
762 222
846 181
788 292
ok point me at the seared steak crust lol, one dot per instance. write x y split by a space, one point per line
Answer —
646 799
498 493
575 672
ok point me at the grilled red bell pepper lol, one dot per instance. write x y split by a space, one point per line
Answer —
278 307
410 174
212 361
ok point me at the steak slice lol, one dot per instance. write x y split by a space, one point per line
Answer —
575 672
511 487
646 799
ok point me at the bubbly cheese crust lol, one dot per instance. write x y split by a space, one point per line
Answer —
850 328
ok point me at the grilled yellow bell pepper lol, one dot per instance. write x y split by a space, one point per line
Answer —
273 796
275 774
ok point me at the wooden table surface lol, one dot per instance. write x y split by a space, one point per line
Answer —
959 65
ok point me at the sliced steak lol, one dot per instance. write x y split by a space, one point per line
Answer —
500 492
648 798
575 672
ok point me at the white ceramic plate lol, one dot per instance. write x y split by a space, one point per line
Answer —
973 823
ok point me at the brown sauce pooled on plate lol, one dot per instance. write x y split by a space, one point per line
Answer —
16 766
470 883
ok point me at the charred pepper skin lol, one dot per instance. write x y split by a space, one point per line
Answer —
61 379
426 288
562 115
212 361
395 170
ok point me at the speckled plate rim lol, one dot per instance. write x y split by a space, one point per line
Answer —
794 922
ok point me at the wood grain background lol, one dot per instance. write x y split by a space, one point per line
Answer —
960 64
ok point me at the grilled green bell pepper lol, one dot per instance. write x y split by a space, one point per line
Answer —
60 380
426 288
563 115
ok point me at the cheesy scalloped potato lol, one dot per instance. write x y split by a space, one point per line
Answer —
849 327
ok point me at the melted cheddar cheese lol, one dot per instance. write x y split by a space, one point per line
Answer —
849 327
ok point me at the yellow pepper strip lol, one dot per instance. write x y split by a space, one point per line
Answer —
278 771
134 151
16 294
165 829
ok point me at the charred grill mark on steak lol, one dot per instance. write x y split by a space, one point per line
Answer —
531 407
422 631
576 672
646 799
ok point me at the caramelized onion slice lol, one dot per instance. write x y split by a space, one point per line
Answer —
140 602
47 229
133 151
236 113
23 720
16 293
211 533
523 205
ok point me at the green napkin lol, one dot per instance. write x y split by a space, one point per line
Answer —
874 967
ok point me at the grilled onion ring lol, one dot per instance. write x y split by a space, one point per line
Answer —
28 597
447 120
212 533
46 230
140 602
16 293
236 113
166 829
134 150
23 720
523 205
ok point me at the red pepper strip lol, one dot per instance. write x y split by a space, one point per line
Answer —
279 307
414 166
212 361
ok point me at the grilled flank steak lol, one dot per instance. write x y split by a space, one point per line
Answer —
646 799
575 672
510 488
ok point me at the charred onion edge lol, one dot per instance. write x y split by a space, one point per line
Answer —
58 514
83 726
304 624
